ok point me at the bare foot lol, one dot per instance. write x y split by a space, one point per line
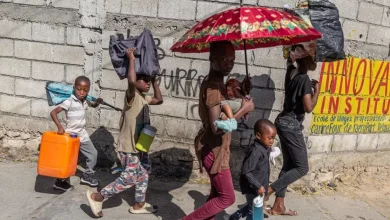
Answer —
138 206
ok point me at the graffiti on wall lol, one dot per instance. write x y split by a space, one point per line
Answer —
354 98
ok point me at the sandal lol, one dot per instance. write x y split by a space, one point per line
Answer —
96 206
146 209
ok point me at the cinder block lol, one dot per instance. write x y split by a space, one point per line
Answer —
140 7
40 108
384 141
182 88
113 6
367 142
30 88
68 54
107 64
15 105
250 2
180 128
355 30
120 99
177 9
108 96
7 47
106 37
15 29
206 9
347 9
198 67
33 50
73 36
92 117
372 51
15 67
171 107
110 80
92 13
30 2
254 117
319 144
277 79
239 69
158 122
382 2
270 57
48 71
267 99
72 72
277 3
73 4
346 142
379 35
386 17
109 119
7 84
370 13
193 110
48 33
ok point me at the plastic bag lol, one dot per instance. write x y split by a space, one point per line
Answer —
324 17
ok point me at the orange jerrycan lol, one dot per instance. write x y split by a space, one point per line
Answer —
58 155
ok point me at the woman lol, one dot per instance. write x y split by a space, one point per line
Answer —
214 154
301 96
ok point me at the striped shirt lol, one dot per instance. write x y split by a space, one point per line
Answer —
75 117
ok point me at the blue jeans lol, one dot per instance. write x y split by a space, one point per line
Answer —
295 162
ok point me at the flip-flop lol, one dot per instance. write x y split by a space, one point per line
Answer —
96 206
146 209
289 212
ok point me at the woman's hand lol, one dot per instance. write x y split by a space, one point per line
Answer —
247 105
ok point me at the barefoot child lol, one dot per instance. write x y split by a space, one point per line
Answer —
136 164
74 108
255 170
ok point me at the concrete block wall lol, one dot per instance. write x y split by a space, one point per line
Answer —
58 40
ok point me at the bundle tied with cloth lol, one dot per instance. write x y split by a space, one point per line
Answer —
146 56
323 15
146 63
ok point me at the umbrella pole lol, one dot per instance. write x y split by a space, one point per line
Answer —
246 60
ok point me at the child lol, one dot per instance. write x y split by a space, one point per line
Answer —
136 164
255 171
231 106
75 123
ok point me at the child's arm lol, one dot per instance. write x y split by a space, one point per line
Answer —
53 115
227 110
131 76
157 99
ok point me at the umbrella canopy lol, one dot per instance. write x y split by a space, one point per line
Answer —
247 28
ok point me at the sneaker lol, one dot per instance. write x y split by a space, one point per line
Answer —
62 185
89 180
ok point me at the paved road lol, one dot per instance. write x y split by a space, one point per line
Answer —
28 196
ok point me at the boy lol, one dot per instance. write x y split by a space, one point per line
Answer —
255 171
136 164
75 123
